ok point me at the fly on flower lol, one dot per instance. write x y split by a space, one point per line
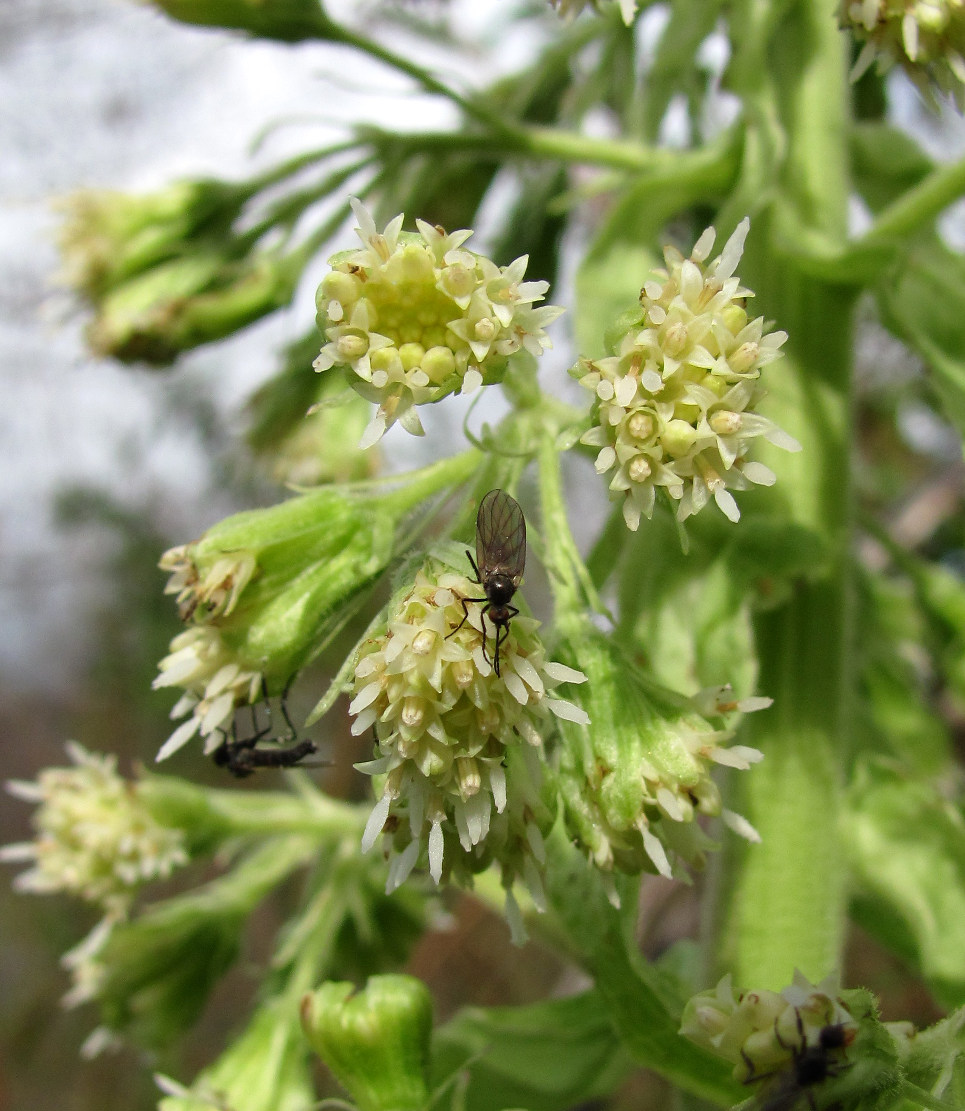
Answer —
810 1066
242 756
500 559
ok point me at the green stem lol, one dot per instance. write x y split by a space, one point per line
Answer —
919 205
291 166
569 579
784 900
473 109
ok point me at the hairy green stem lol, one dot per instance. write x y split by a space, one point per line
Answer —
784 905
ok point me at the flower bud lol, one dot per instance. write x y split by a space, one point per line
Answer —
285 20
374 1041
188 301
108 237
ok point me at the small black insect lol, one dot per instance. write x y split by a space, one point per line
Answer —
500 559
243 756
810 1065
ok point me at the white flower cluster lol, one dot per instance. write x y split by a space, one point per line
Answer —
759 1032
95 838
417 317
675 405
215 685
925 37
459 747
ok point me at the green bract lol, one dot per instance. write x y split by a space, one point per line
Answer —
263 589
375 1041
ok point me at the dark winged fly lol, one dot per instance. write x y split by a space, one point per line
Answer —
810 1065
499 562
244 756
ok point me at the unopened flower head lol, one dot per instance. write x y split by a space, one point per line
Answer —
417 317
108 237
263 588
759 1032
675 404
459 748
95 836
925 37
206 592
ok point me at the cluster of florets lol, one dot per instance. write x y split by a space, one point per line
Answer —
675 404
459 748
633 804
417 317
95 838
215 684
572 8
925 37
760 1032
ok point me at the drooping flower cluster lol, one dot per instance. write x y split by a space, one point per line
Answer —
925 37
636 780
417 317
95 837
459 749
760 1032
675 404
215 684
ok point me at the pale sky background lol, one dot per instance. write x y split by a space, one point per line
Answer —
109 93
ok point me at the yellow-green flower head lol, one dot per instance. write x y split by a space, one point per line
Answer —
215 684
95 837
417 317
760 1031
675 404
459 747
925 37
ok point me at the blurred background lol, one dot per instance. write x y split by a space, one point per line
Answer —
105 466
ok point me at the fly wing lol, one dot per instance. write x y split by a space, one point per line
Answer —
500 536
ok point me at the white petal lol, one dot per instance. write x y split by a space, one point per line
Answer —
366 696
374 431
567 711
516 687
435 852
178 738
656 853
733 249
563 674
741 826
727 505
400 867
471 381
373 827
759 474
